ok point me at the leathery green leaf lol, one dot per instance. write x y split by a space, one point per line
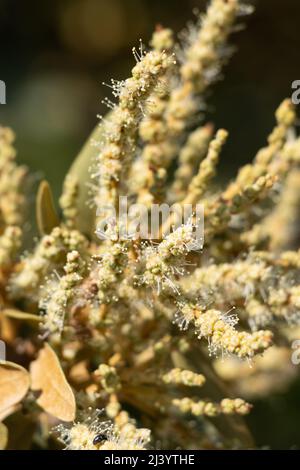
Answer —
46 215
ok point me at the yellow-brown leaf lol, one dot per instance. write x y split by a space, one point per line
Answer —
47 377
14 384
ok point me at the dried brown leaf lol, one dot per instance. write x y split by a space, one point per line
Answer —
14 384
47 376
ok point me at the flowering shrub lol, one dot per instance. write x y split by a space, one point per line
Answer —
129 343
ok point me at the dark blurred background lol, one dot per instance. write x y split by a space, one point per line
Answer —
56 53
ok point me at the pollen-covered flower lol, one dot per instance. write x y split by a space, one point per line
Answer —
58 294
94 433
121 128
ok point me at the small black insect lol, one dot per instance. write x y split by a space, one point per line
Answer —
99 438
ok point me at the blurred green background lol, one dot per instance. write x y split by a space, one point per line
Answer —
55 54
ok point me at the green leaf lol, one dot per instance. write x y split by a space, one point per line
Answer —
46 215
3 436
20 431
80 169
